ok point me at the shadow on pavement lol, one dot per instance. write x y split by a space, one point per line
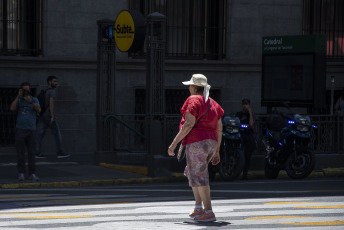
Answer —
208 224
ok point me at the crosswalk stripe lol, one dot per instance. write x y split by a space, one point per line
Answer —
275 217
243 213
327 223
322 206
223 216
181 209
53 217
293 202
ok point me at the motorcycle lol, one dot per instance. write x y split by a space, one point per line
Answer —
232 158
287 139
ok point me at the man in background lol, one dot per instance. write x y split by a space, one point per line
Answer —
48 120
247 117
27 107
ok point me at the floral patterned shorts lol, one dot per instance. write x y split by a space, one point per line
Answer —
198 156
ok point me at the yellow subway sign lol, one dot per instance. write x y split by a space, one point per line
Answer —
129 31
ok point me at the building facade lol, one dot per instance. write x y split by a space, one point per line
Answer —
221 39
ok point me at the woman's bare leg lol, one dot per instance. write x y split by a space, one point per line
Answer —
197 196
204 193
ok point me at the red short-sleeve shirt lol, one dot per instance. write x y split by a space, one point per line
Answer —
207 126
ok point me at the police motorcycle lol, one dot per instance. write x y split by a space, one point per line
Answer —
287 141
232 158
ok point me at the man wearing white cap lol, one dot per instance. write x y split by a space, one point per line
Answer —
201 132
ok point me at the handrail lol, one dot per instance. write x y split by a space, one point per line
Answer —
124 123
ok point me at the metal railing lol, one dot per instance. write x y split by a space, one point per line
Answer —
327 138
124 133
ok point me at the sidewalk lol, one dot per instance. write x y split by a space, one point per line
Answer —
74 174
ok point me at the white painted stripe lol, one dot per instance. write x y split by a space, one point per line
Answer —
171 225
286 220
128 225
182 217
68 200
178 210
142 215
167 203
138 225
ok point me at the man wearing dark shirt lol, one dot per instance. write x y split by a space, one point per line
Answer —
247 117
48 120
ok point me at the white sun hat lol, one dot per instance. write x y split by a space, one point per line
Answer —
200 80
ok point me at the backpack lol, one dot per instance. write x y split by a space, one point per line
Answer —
41 98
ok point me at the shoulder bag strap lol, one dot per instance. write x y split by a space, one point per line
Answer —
200 117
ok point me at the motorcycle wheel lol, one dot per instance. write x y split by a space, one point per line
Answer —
271 172
232 168
300 167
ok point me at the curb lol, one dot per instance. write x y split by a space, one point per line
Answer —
89 183
253 174
127 168
176 177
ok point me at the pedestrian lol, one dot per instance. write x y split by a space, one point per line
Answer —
247 117
339 106
48 120
202 143
27 107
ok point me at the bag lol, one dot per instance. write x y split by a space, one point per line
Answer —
41 98
181 152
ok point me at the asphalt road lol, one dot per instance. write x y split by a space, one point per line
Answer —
264 204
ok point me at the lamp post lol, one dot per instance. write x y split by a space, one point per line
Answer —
155 88
332 86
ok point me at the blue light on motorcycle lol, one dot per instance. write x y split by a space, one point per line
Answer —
291 122
280 143
314 126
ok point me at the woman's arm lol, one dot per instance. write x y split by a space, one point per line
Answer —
219 134
186 128
216 158
51 106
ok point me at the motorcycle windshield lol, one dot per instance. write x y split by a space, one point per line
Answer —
302 120
231 121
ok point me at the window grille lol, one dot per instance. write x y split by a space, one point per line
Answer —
196 29
174 99
326 17
21 27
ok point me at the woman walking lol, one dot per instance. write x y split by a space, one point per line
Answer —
201 141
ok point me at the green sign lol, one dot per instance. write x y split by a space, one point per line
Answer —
294 44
